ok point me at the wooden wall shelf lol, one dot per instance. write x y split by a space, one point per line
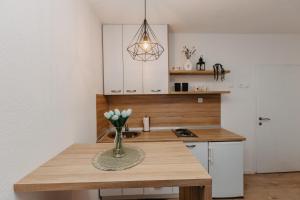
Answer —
194 72
201 92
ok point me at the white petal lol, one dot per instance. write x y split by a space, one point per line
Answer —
107 115
117 112
115 117
129 111
124 114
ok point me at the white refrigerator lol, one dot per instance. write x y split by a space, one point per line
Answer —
225 163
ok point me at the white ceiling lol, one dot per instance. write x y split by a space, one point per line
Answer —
206 16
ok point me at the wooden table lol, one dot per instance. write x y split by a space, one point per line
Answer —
165 164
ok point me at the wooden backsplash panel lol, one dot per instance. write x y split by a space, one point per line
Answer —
101 107
170 110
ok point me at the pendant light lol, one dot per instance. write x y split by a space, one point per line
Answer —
145 45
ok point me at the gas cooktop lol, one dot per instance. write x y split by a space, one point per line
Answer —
182 132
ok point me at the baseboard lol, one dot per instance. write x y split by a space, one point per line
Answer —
249 172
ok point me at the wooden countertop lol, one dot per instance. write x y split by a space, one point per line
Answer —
204 135
165 164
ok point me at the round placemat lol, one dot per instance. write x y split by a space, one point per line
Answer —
105 161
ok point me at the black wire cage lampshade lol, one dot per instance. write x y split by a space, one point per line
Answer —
145 45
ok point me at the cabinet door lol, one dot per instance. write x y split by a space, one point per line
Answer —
133 70
200 151
158 190
133 191
110 192
155 73
112 59
226 169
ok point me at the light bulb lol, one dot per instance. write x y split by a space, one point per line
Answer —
145 45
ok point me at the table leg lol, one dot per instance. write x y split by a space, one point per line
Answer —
195 193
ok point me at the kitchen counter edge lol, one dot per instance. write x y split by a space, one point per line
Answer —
204 135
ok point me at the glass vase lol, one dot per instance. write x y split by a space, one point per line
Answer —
118 151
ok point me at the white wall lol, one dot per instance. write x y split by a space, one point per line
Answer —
241 54
50 72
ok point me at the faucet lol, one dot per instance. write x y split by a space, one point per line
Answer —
126 128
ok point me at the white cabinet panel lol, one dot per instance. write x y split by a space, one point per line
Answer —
113 59
156 73
110 192
133 191
226 169
133 70
200 151
159 190
122 74
175 190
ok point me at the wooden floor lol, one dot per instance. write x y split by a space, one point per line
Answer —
279 186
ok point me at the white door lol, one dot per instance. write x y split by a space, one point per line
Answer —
133 70
200 151
278 106
112 59
156 73
226 169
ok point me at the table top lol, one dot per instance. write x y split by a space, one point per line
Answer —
165 164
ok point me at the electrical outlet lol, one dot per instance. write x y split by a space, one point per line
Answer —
200 100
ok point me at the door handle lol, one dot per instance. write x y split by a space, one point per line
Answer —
131 91
264 119
116 91
191 146
155 90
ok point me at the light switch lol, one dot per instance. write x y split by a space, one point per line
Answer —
244 85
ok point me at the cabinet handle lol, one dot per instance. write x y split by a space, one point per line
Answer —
116 91
131 91
191 146
155 90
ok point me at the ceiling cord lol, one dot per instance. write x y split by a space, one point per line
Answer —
145 9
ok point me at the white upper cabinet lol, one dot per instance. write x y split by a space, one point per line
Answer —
133 70
156 73
125 76
113 59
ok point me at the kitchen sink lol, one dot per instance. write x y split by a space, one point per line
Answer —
126 134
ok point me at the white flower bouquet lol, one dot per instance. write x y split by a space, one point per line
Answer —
118 120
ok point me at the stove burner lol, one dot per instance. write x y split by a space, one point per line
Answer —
181 132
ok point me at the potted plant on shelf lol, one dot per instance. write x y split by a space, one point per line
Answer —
188 54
